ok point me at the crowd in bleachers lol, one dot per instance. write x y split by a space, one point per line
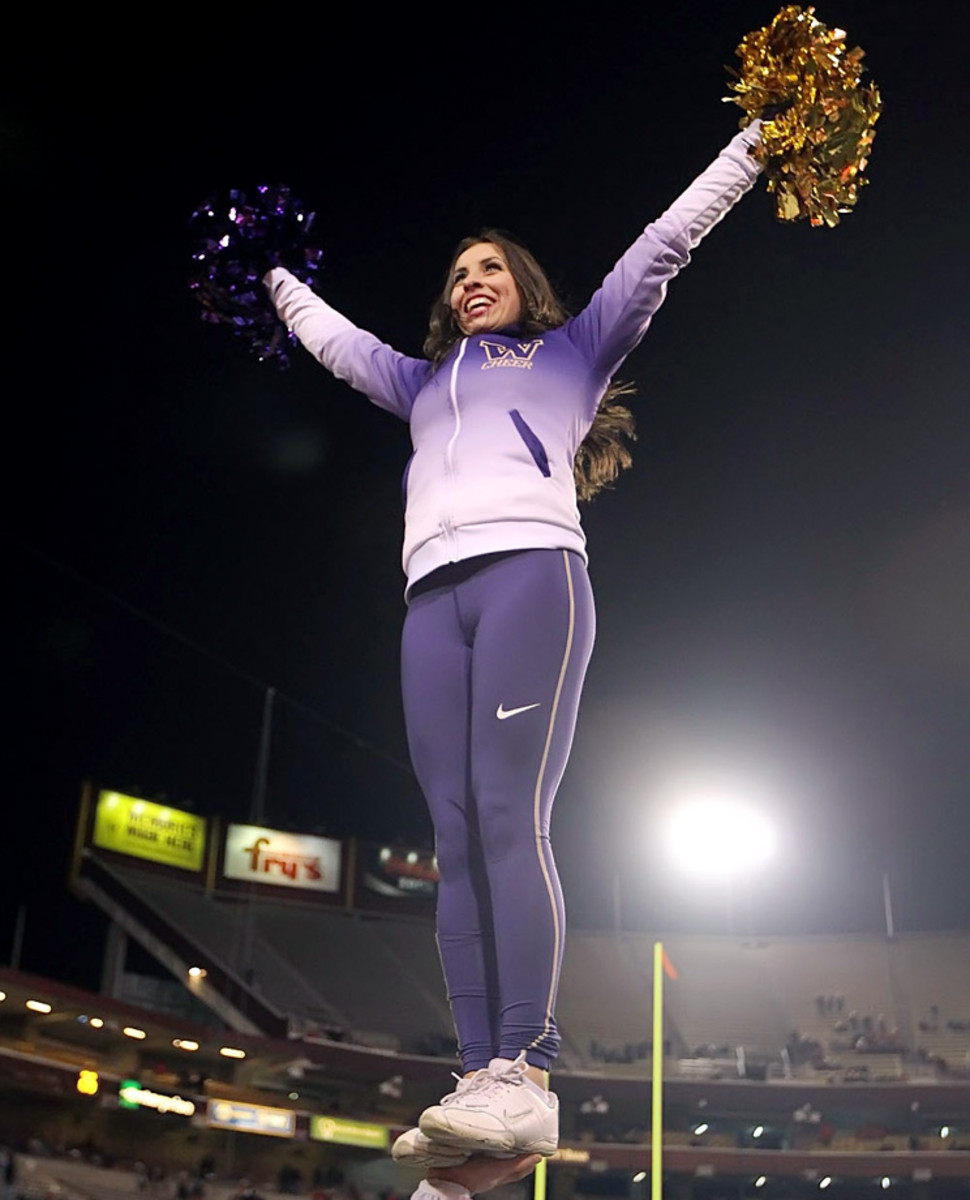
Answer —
626 1052
867 1034
37 1171
931 1023
804 1050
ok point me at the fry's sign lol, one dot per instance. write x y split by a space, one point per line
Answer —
271 856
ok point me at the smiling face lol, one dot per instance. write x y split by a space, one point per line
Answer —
484 295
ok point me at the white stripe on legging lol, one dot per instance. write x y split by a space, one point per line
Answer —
538 797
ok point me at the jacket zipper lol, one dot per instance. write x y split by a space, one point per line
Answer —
450 448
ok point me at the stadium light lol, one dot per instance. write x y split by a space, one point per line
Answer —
38 1006
231 1052
132 1031
761 1181
718 836
197 972
825 1183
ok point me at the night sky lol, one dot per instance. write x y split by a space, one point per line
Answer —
783 580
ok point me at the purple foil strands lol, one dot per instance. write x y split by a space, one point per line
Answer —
236 240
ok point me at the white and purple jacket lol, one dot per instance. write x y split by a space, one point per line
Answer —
496 426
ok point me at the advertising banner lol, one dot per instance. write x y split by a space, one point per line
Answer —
132 1095
251 1118
291 860
349 1133
395 878
144 829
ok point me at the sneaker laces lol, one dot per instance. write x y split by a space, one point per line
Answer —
466 1084
489 1079
514 1072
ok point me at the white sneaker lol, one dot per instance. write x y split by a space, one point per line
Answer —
498 1110
413 1149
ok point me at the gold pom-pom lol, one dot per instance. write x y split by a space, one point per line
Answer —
816 147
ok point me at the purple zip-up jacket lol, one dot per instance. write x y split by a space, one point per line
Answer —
496 426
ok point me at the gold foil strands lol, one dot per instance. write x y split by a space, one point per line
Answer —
816 146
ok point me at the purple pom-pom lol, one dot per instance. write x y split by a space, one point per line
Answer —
236 241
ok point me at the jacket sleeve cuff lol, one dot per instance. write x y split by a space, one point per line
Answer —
274 277
742 143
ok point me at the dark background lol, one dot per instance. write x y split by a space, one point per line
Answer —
782 581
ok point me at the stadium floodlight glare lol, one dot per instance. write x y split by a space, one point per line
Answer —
761 1181
96 1023
757 1131
40 1006
184 1044
639 1177
3 996
718 837
825 1183
231 1052
885 1182
945 1132
133 1031
197 972
702 1128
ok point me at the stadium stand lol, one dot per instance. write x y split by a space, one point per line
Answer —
866 1007
375 980
721 996
605 1002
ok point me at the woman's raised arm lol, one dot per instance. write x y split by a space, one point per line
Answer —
620 311
385 376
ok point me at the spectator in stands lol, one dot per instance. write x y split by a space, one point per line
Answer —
246 1191
8 1173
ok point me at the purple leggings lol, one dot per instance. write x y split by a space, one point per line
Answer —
493 658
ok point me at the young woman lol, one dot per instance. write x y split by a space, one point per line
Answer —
500 619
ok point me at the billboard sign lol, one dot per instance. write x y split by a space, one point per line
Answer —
350 1133
132 1095
397 874
291 860
144 829
251 1118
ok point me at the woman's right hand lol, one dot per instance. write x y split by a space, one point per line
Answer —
481 1173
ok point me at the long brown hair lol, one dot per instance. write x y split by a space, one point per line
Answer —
604 452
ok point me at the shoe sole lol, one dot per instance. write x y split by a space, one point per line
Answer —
474 1142
429 1161
404 1151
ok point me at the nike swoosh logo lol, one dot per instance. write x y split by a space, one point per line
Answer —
503 714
